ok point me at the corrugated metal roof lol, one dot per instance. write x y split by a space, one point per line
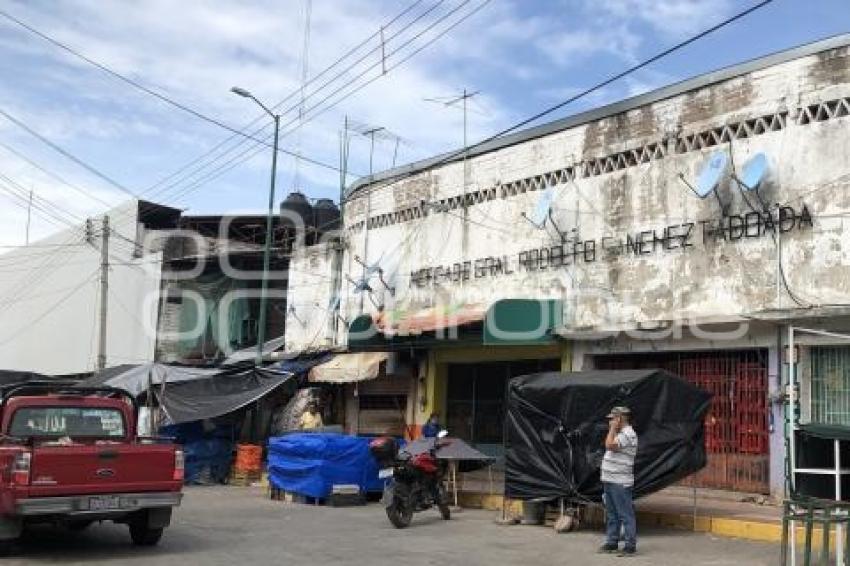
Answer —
657 95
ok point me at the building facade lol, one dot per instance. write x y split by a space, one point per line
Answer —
683 228
51 291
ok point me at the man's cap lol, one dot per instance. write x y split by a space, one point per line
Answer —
619 411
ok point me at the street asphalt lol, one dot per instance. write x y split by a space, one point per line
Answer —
239 526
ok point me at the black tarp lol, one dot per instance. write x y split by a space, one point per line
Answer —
556 424
223 393
11 377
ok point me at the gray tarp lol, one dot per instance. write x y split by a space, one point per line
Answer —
135 379
192 394
224 393
454 449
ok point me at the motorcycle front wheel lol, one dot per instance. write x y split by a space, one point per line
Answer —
399 514
443 503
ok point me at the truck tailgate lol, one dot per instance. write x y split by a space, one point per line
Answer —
83 469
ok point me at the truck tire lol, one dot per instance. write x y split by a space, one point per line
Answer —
8 548
144 535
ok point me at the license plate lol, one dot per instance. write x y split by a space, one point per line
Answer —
385 473
104 503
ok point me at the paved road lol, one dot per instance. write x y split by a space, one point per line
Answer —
238 526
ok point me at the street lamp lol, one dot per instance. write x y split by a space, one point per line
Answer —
261 330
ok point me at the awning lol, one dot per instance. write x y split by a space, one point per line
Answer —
224 393
523 321
406 323
349 368
393 329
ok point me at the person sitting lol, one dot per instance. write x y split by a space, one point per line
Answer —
311 419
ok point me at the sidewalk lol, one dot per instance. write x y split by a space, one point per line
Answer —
718 513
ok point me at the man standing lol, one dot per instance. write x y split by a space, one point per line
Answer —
621 446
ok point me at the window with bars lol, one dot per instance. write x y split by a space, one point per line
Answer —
830 396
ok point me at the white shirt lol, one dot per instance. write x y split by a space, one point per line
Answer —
618 464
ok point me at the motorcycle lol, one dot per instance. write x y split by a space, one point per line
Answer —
417 482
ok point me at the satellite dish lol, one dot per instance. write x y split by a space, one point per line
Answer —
712 171
544 205
753 172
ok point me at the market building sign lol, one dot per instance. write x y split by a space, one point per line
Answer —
731 228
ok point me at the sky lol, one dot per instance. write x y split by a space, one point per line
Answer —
519 56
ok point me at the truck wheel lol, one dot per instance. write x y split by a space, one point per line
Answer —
143 535
8 547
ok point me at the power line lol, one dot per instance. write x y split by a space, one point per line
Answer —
55 176
153 93
293 107
66 153
316 77
251 152
454 155
32 322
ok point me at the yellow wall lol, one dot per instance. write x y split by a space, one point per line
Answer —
439 359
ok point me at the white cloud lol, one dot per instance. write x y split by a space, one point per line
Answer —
675 18
570 49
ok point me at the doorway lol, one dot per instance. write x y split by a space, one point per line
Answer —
475 400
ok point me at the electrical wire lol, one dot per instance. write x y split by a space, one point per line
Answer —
66 153
151 92
452 156
249 153
253 150
33 321
262 116
55 176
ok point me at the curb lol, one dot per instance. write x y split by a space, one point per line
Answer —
761 531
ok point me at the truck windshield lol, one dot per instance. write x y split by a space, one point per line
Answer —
67 421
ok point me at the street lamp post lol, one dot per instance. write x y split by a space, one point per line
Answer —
264 289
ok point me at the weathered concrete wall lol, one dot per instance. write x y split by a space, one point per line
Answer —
310 317
616 180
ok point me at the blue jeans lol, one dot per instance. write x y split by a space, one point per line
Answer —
619 510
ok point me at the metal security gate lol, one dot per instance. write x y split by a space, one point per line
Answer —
736 427
830 385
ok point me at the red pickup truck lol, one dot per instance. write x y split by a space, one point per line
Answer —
71 456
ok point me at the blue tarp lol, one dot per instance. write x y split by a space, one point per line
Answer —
209 454
309 464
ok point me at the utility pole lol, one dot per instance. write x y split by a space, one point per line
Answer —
29 216
264 288
104 294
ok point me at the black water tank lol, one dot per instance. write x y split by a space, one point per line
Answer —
297 205
327 215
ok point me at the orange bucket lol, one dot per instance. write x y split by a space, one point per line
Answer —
249 458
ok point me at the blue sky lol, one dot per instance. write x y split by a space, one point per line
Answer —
521 55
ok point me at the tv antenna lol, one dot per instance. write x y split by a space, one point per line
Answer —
709 177
752 174
377 133
452 102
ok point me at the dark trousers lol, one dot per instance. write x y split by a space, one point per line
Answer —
619 510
